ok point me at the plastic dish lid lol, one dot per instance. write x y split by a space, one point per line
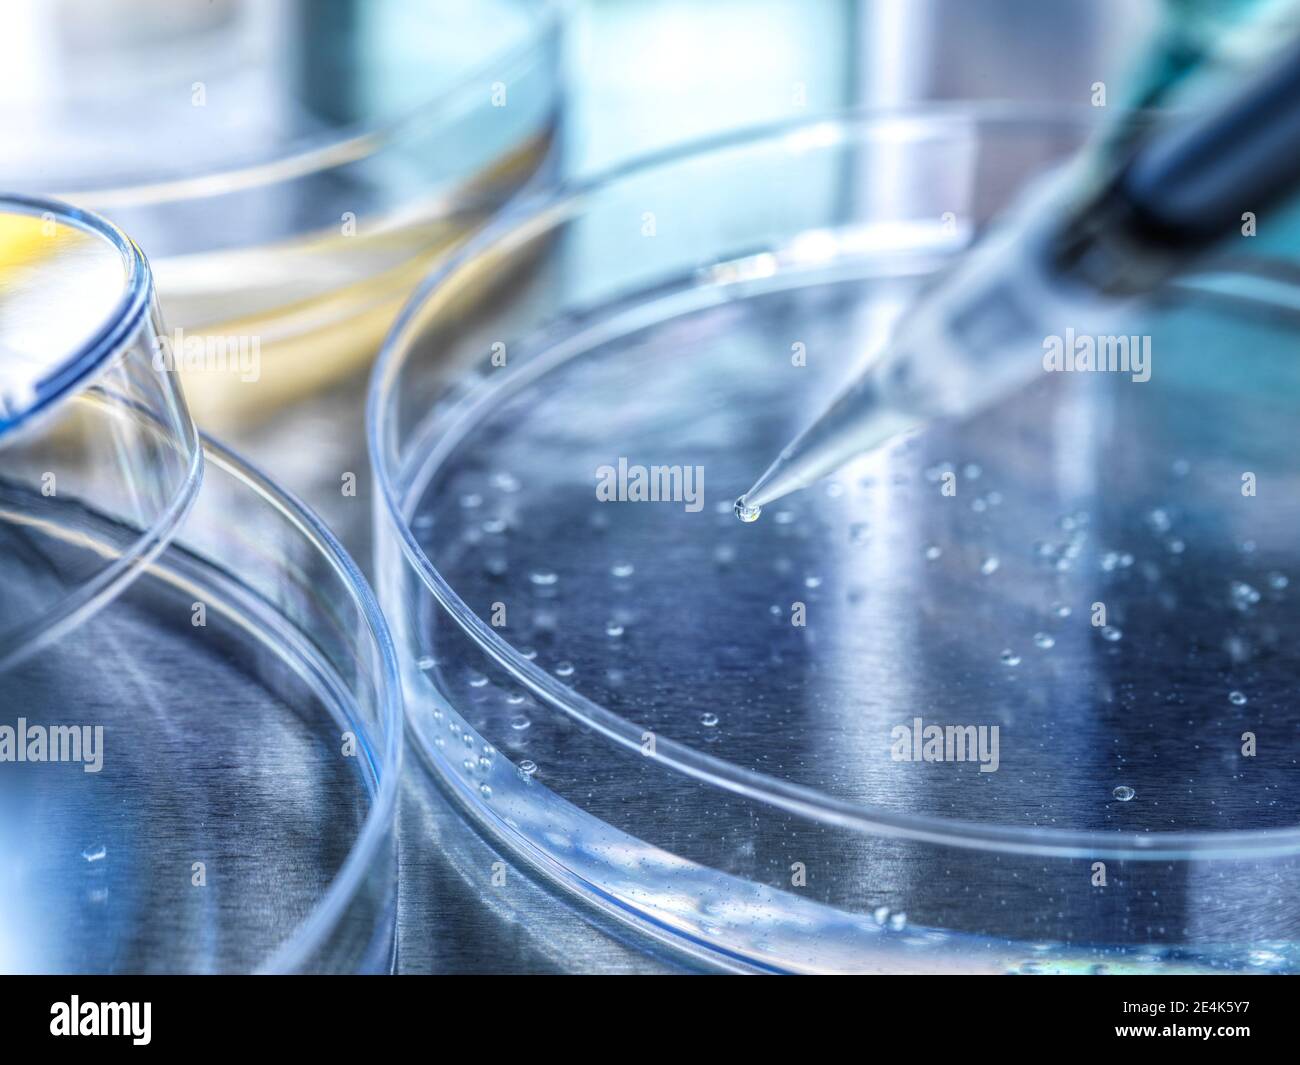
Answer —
290 168
1011 696
199 716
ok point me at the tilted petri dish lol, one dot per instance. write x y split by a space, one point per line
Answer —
723 732
291 167
200 719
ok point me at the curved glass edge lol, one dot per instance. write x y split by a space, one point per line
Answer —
522 223
107 427
346 147
125 319
290 566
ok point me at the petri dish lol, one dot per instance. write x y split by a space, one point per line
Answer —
721 732
199 707
305 162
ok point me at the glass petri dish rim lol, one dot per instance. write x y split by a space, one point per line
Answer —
296 951
74 371
71 372
350 144
526 219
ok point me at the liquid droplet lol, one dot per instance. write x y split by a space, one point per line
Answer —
1237 698
622 569
1010 658
709 720
745 512
990 565
1124 793
1044 641
95 854
527 768
564 669
1244 596
1111 634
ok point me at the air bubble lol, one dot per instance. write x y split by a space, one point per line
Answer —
1124 793
1244 596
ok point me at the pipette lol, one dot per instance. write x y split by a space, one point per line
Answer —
1077 253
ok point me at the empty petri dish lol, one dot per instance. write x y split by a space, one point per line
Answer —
199 709
1009 695
304 163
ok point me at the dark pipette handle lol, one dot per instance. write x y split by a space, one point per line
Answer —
1188 184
